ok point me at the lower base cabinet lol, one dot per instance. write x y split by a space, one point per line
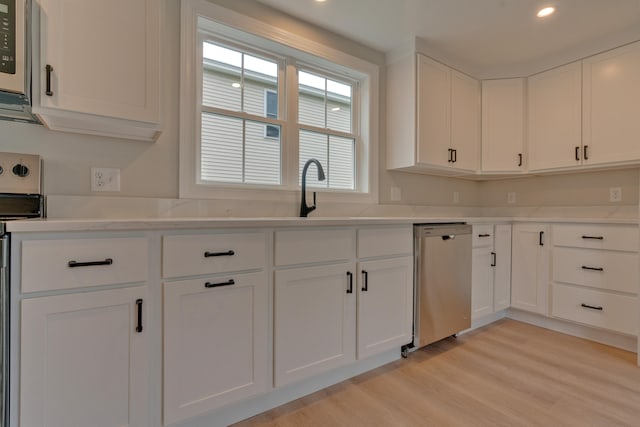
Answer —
84 360
315 309
215 343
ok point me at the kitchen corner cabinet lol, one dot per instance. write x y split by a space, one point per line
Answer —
434 117
611 88
555 119
529 267
84 358
97 67
503 125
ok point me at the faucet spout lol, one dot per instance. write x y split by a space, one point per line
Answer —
304 209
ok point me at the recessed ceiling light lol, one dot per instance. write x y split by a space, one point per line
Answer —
320 1
546 11
236 85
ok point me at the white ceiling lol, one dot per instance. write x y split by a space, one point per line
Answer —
486 37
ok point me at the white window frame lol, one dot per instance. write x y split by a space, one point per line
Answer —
246 29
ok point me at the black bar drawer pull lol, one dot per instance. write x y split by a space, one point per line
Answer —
577 154
139 306
584 267
49 70
214 254
73 264
585 152
592 307
519 160
455 156
217 285
450 151
540 238
350 276
493 258
593 237
365 281
484 235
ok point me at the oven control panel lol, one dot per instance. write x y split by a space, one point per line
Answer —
8 36
20 173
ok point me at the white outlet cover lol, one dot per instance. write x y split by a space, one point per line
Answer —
511 197
615 194
105 179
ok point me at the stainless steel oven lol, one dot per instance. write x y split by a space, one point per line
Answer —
20 198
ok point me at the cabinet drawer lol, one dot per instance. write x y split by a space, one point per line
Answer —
619 238
482 235
610 311
67 264
617 271
312 246
191 255
385 241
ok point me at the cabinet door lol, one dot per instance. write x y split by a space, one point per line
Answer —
434 112
465 121
385 305
555 118
503 125
215 343
481 282
104 57
611 109
83 362
502 267
314 320
529 281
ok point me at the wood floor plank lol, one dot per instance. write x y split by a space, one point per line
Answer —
506 374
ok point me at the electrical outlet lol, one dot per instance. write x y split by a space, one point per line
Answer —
456 197
615 194
511 197
105 179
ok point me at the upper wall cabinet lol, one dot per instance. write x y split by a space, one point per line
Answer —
96 67
611 90
503 125
433 117
555 118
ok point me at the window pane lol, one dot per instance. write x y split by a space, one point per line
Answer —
262 154
313 145
338 106
230 75
221 148
221 77
341 163
260 75
311 100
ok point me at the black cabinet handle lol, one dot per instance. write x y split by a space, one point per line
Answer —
484 235
540 238
584 267
73 264
365 280
217 285
592 307
455 156
214 254
593 237
350 276
139 307
493 256
519 160
49 70
577 154
585 153
450 154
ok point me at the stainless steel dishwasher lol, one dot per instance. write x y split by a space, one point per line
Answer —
442 281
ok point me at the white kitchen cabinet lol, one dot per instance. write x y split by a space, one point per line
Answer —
315 320
84 359
491 269
97 71
434 117
385 305
215 342
555 118
529 267
611 88
503 125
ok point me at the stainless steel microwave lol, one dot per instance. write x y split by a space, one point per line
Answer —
13 46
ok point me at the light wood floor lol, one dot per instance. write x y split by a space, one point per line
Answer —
506 374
